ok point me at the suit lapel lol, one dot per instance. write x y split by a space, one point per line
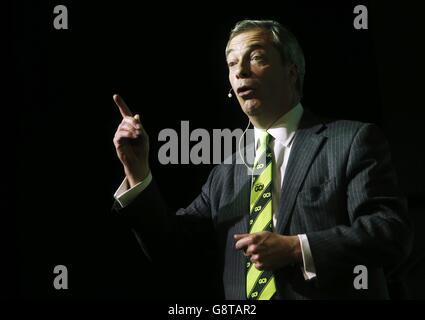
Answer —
242 188
305 147
242 183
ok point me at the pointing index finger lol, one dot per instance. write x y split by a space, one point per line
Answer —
124 109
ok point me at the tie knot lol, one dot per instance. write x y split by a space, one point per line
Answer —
264 138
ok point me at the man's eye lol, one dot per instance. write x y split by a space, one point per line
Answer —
257 58
231 63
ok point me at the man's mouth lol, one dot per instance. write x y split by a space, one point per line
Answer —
246 91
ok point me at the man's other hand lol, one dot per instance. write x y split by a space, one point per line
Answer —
268 250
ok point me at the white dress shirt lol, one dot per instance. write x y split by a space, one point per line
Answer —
283 132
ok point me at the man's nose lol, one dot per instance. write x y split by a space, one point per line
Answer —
243 71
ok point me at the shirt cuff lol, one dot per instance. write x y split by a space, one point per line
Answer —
125 196
308 269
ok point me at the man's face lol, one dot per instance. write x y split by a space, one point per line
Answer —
259 78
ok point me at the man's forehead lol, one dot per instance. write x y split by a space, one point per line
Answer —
248 39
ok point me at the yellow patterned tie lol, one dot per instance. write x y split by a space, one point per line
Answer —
260 285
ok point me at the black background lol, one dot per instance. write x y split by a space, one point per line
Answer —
167 61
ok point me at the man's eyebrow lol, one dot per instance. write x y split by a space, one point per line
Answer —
248 48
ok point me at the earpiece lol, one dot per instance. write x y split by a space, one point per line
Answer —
239 147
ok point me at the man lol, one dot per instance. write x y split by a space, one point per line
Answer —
321 198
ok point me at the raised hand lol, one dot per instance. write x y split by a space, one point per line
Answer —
131 144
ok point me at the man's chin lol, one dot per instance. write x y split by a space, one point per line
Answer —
252 107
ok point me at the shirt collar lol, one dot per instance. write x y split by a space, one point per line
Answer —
283 130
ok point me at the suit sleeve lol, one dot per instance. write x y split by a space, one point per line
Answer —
379 233
158 228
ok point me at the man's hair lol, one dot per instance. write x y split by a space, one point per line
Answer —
283 40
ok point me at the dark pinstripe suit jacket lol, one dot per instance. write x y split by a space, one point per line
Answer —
339 188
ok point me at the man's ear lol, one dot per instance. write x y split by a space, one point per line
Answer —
293 73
